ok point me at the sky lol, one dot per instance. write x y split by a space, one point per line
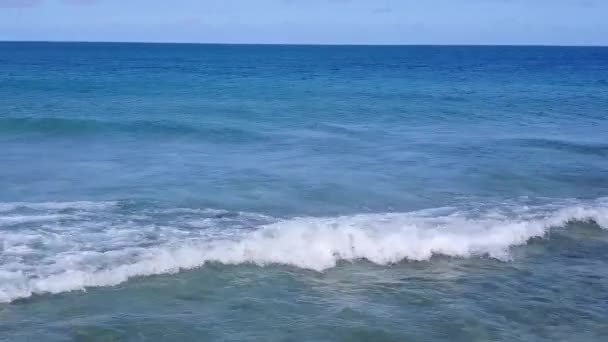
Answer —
537 22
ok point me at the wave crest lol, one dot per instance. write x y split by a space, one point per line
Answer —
62 126
311 243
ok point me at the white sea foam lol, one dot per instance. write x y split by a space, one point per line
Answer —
60 259
17 219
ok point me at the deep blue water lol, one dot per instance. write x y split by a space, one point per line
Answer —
303 193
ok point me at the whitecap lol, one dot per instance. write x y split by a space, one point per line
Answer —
110 257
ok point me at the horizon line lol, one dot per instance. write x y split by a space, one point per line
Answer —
306 44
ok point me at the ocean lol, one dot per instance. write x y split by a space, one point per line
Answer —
183 192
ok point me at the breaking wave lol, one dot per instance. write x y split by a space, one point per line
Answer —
102 245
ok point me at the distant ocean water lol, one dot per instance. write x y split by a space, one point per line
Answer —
171 192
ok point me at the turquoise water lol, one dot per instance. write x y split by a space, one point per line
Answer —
298 193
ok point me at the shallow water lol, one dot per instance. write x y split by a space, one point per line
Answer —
202 192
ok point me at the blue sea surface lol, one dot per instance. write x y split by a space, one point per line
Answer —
164 192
